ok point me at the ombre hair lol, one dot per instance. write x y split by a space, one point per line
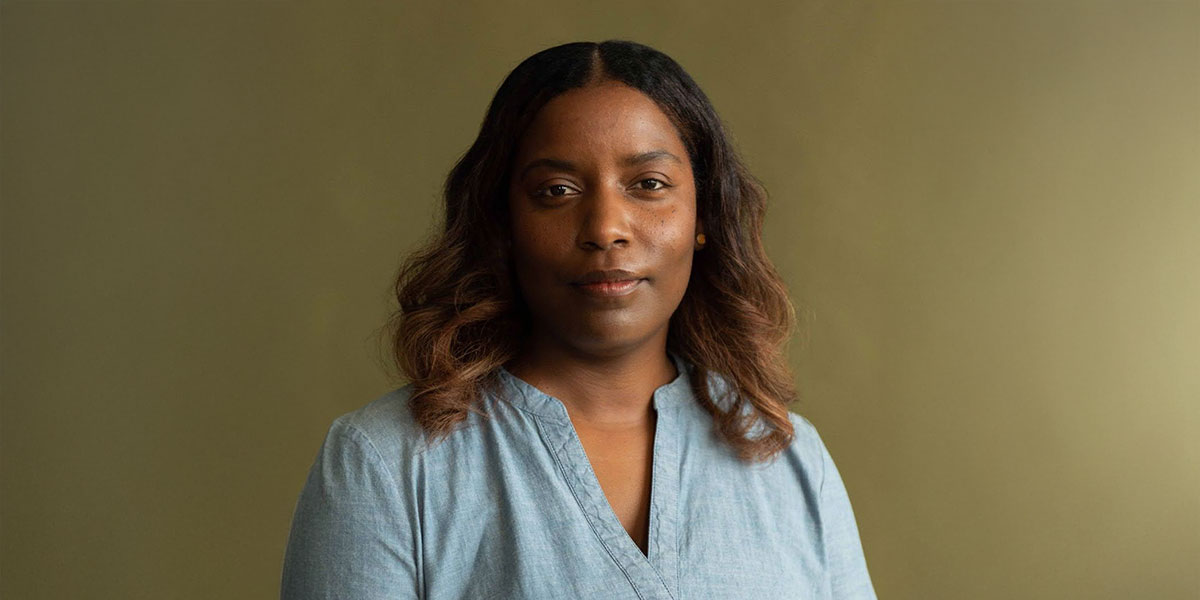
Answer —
461 314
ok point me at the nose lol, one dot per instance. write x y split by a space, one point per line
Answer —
605 220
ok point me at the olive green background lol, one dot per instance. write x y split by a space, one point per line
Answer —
988 214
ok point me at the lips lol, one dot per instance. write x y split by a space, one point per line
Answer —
608 283
606 289
606 275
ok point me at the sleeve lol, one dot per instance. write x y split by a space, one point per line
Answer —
848 576
352 534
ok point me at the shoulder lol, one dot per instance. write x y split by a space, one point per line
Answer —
385 424
806 441
807 448
385 415
806 433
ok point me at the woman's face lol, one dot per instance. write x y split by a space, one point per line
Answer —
602 182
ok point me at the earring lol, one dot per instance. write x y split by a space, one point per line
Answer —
700 240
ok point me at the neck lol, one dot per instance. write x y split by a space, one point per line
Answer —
612 391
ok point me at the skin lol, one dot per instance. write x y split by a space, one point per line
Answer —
603 358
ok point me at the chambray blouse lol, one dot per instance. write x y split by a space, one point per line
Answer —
509 507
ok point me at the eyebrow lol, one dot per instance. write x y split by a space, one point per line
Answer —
631 160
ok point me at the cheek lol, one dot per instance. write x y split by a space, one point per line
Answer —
677 231
536 250
675 235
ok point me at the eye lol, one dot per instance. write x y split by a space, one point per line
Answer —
654 184
554 191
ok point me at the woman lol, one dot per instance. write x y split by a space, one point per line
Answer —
598 405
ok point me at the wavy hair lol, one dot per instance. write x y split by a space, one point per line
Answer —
461 314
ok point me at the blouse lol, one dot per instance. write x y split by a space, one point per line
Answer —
508 507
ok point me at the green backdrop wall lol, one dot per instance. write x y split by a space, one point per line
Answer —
988 214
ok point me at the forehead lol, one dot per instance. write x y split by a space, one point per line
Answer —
605 117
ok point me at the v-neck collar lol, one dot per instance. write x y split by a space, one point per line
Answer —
654 576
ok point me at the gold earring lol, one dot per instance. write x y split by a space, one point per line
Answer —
700 239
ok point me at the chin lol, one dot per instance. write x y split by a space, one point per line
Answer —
611 337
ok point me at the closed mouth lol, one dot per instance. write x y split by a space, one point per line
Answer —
602 289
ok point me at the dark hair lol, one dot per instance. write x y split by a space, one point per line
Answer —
461 314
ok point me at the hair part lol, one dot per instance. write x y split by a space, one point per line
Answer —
461 314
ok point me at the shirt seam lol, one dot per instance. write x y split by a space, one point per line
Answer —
825 457
824 467
378 455
524 396
530 411
356 431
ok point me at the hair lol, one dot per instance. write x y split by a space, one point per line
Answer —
461 314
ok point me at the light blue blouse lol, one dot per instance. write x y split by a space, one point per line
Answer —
509 507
